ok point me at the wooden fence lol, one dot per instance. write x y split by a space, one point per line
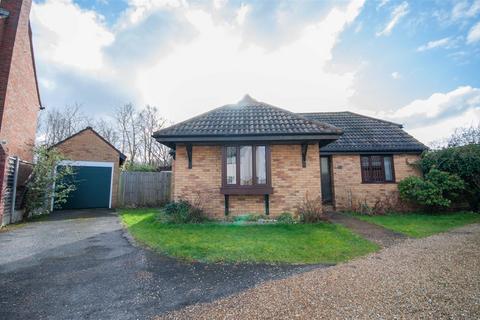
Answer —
144 189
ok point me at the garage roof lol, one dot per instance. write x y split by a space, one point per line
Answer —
122 156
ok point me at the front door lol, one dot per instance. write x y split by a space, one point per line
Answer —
326 176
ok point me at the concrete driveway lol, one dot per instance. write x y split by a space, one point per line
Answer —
81 265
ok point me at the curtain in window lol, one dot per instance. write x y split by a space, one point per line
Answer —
377 168
388 168
260 165
231 165
246 176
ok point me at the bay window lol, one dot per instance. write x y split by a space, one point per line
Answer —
246 169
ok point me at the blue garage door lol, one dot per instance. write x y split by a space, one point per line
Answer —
92 188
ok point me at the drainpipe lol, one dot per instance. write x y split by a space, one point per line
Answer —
14 191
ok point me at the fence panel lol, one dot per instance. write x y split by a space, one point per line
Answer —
144 189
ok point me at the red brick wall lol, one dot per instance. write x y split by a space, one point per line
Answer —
2 24
19 98
290 181
204 179
349 191
87 146
19 102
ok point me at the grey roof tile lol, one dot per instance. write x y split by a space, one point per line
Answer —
366 134
248 117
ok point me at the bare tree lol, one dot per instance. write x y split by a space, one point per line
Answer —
107 130
153 153
162 155
129 130
127 122
464 136
59 124
460 137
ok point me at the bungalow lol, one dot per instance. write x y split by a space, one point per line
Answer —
252 157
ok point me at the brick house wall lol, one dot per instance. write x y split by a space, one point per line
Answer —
19 96
2 27
87 146
290 181
350 192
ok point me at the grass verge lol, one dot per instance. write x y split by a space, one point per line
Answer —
419 225
275 243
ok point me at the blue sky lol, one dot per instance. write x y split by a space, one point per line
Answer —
413 62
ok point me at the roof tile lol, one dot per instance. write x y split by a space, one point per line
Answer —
366 134
248 117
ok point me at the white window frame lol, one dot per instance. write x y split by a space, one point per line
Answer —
75 163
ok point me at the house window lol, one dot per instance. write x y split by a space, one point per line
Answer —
377 169
260 165
231 165
246 170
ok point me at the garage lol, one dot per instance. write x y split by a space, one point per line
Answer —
96 165
93 184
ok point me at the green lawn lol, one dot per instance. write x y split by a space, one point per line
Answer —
419 225
273 243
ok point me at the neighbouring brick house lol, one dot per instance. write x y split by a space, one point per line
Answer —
19 96
252 157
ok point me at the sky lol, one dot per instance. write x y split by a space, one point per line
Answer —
411 62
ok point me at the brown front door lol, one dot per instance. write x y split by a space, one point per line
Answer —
326 177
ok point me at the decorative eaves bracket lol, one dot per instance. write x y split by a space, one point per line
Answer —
304 155
173 153
189 154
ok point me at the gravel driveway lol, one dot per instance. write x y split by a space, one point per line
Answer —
80 265
432 278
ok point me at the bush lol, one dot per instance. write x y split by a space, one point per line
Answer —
249 217
140 167
464 161
173 207
437 190
311 210
286 218
182 212
47 183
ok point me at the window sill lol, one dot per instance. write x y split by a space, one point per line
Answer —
246 190
379 182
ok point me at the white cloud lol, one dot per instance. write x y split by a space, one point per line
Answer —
474 34
382 3
218 4
218 67
462 10
210 64
67 35
443 129
47 83
398 12
396 75
358 27
444 42
437 116
242 13
140 9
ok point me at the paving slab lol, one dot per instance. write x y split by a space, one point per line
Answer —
375 233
